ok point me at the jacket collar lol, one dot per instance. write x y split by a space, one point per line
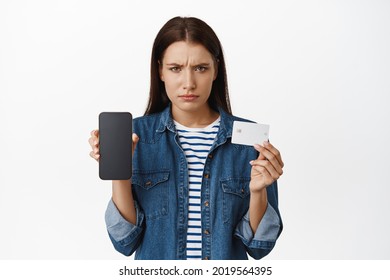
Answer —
166 120
225 127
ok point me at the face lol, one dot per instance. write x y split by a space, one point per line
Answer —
188 71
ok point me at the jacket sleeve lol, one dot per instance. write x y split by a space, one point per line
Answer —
262 242
125 236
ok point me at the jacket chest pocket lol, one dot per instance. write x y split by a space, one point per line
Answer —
235 199
152 192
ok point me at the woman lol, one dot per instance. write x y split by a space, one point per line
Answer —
193 194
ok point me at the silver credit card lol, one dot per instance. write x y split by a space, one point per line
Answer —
246 133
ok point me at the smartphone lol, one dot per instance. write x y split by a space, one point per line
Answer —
115 145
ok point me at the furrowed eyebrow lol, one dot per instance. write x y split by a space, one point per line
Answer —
178 64
202 64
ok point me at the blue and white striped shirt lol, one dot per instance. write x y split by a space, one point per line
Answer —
196 144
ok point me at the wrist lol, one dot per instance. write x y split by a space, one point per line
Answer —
256 190
121 184
259 197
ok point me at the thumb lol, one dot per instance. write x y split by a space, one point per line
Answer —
135 140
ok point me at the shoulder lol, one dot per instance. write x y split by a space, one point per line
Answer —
146 123
159 118
149 128
146 120
230 117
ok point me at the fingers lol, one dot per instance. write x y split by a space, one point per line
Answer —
261 155
269 152
94 143
269 159
275 151
94 139
94 155
95 132
263 172
266 168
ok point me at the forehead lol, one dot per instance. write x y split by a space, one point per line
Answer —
183 51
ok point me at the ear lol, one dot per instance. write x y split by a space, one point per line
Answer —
160 71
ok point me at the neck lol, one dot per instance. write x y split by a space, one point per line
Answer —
199 118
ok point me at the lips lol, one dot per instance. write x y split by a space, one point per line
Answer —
188 97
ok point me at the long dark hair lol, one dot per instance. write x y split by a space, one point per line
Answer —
191 30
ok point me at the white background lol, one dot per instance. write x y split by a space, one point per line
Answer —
317 71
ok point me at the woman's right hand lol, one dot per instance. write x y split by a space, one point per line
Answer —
122 195
94 142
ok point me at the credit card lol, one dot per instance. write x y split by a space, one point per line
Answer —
246 133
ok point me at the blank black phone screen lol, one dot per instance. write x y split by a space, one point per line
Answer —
115 144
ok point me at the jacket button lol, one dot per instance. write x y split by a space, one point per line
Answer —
206 232
148 183
242 190
207 176
206 258
206 203
210 156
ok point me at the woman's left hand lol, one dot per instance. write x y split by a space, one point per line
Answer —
267 168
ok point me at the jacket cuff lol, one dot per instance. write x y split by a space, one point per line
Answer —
266 233
117 226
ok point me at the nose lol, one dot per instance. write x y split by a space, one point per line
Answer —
189 80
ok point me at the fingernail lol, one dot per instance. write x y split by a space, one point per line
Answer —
266 143
258 146
251 162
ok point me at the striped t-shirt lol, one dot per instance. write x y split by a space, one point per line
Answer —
196 144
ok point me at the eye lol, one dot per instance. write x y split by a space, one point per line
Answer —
175 69
200 68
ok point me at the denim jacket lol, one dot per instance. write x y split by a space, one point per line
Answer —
160 190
